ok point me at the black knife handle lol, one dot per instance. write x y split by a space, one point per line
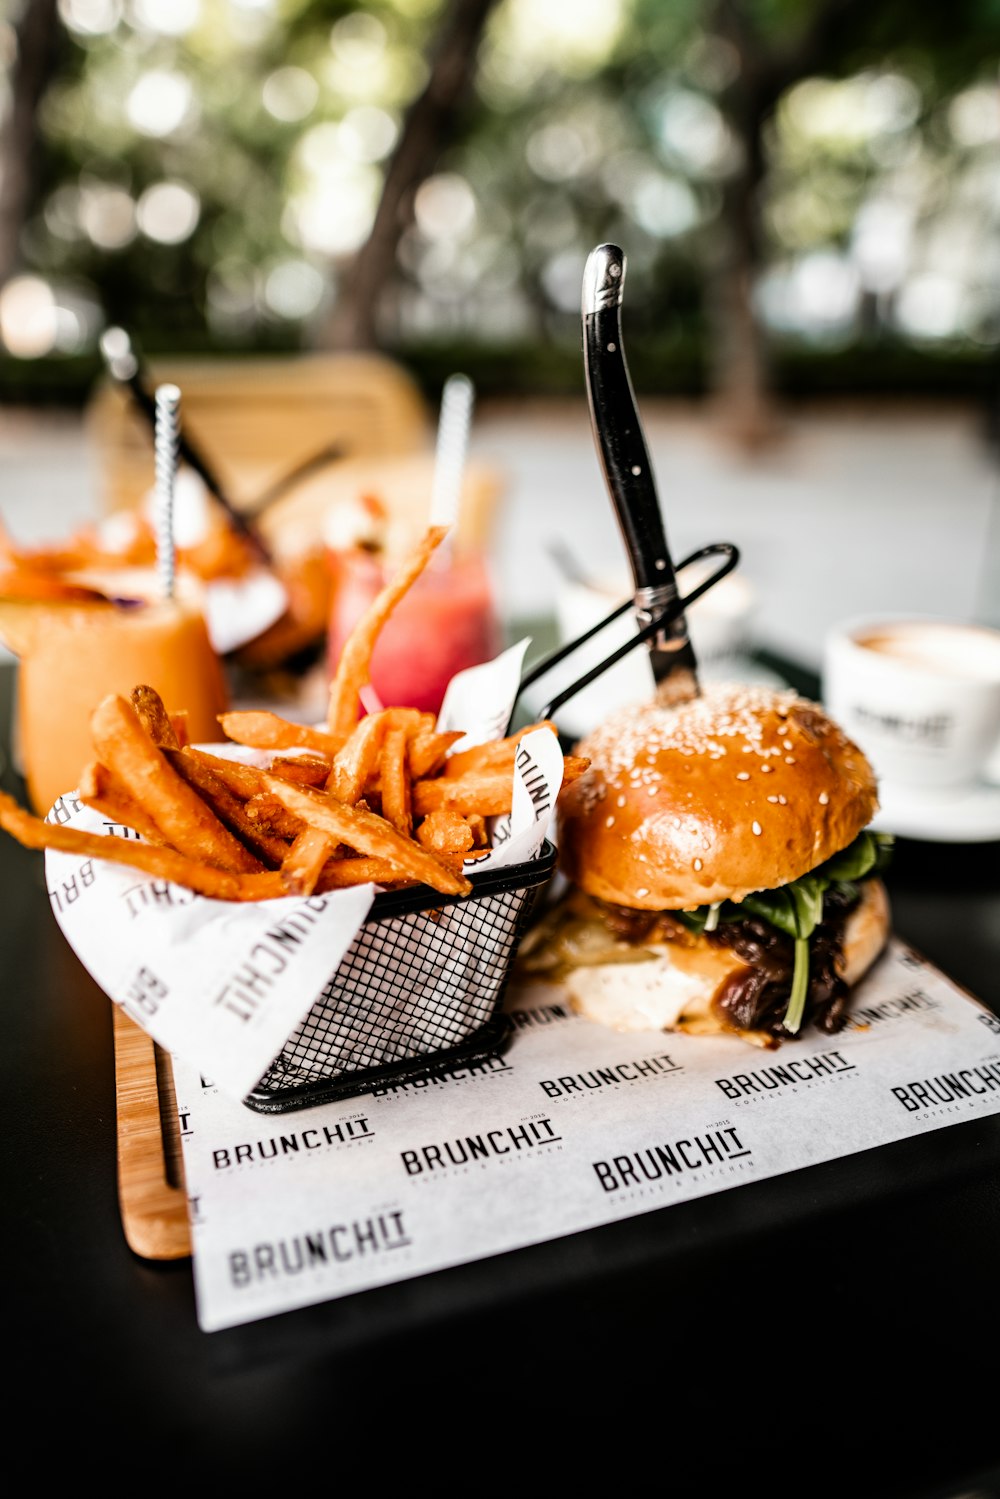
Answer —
618 430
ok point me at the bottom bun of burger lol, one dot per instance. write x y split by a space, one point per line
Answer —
695 985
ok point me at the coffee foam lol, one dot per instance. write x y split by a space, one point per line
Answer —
952 650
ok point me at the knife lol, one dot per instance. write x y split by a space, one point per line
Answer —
629 475
124 366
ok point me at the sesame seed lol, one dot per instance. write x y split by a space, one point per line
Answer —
823 799
766 770
728 717
789 759
609 822
743 775
697 863
642 892
621 801
757 828
783 801
773 799
787 744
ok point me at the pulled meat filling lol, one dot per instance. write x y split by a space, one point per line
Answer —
755 997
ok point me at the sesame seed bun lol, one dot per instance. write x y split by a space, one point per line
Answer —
739 790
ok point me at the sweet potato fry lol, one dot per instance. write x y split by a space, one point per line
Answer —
477 825
154 717
99 789
304 861
340 874
305 770
354 667
272 817
573 767
497 754
367 834
267 731
244 780
427 752
445 832
395 782
356 763
185 821
164 863
229 809
487 792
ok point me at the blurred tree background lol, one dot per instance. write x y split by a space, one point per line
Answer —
808 190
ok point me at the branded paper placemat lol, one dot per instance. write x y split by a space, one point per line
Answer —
575 1126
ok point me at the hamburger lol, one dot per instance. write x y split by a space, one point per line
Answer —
722 878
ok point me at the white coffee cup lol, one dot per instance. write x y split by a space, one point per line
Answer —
919 694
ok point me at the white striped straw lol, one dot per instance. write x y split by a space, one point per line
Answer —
168 401
452 444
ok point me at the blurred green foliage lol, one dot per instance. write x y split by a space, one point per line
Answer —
208 167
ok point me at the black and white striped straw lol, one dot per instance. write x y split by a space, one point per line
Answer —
452 445
168 402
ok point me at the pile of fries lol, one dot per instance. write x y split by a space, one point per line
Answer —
378 800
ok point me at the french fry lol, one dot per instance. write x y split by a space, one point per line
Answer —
367 834
306 770
304 862
272 817
427 752
341 874
573 767
477 823
154 717
163 863
395 782
356 763
262 730
487 792
354 667
497 754
185 821
445 832
99 789
179 724
229 809
245 780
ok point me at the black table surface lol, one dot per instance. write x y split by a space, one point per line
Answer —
830 1331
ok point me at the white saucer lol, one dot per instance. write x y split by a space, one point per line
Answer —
969 815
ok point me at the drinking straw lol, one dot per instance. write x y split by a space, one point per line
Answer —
166 430
452 445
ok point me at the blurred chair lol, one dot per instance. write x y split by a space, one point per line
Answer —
256 420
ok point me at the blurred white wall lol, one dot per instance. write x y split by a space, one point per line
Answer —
857 510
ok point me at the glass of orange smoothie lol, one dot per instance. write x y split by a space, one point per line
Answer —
72 654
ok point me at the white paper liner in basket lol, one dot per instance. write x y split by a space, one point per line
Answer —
223 985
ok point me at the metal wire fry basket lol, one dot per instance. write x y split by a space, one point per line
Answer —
418 992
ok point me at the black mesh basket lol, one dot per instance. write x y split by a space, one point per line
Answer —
418 992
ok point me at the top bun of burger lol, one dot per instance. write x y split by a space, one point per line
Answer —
740 790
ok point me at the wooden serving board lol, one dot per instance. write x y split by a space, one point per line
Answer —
151 1191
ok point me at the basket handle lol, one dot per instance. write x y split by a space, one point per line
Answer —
730 558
